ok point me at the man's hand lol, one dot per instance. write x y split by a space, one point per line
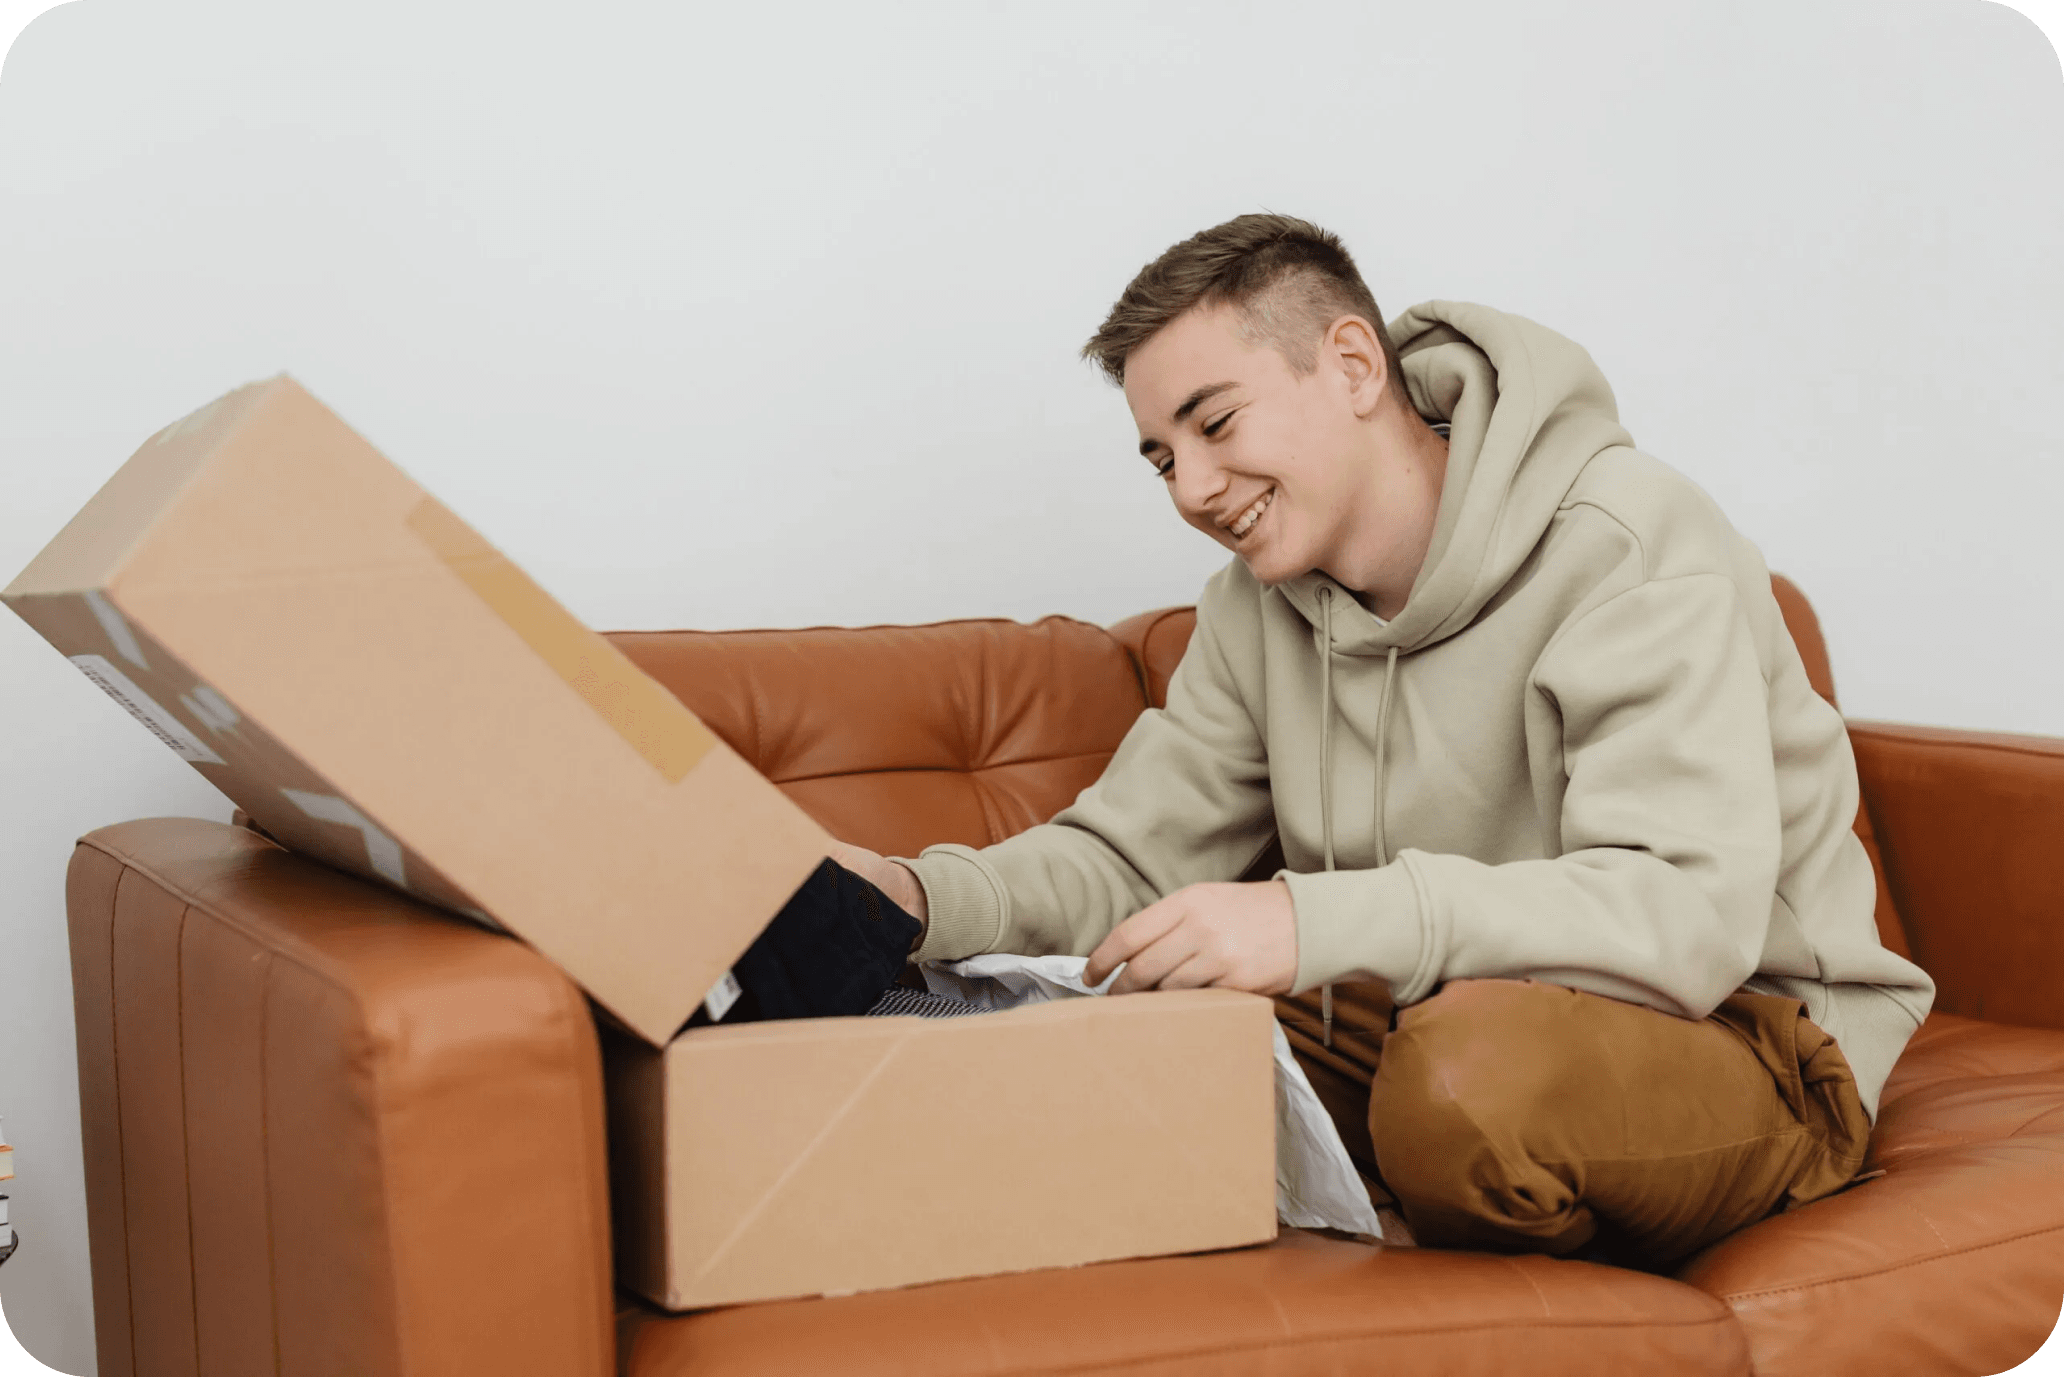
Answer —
899 882
1236 936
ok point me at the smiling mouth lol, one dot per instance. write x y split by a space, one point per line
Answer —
1244 522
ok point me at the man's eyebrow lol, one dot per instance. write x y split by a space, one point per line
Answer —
1198 398
1190 404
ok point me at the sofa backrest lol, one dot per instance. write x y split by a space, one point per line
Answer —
896 737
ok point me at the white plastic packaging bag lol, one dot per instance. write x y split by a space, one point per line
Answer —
1317 1186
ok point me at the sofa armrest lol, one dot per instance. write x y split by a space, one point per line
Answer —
1971 829
326 1128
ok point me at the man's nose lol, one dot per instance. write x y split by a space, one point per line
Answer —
1197 482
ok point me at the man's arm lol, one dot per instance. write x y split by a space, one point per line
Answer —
1184 799
1669 824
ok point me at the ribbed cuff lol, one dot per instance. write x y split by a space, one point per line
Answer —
1359 925
964 912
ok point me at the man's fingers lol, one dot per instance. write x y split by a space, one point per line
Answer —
1198 970
1129 938
1159 959
1243 936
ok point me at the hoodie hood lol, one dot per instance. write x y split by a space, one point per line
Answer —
1527 410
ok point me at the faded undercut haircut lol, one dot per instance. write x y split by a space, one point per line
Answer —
1287 278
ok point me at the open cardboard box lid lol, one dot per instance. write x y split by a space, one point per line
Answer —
378 687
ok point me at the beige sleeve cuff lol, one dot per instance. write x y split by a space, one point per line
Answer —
964 909
1362 925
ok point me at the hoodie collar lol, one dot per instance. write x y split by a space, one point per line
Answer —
1528 409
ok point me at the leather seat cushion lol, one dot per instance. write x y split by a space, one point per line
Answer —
1953 1255
1305 1304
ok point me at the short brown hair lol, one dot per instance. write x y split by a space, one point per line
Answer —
1288 279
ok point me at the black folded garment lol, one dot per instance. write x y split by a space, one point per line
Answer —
834 949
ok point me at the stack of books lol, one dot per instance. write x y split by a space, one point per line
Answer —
7 1238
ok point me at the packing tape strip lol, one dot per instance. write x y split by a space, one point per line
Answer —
642 712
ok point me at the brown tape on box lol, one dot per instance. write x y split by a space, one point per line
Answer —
643 713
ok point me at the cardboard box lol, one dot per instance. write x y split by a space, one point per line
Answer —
379 688
824 1156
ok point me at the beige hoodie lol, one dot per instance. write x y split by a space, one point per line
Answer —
1584 751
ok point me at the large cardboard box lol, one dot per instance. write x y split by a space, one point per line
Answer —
372 682
823 1156
379 688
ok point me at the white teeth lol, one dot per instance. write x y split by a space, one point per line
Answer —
1246 520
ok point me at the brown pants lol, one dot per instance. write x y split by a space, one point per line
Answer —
1513 1115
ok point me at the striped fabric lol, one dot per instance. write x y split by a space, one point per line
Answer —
902 1002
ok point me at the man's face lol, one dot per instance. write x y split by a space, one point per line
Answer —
1266 463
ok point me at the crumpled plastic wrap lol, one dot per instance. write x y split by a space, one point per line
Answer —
1317 1186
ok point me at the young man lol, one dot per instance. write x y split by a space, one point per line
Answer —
1519 707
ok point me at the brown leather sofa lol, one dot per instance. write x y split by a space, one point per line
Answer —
330 1131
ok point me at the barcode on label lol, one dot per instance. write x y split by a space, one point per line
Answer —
722 996
162 724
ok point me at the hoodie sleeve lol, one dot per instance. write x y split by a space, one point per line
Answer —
1184 799
1668 821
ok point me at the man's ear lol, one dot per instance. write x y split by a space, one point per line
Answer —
1353 346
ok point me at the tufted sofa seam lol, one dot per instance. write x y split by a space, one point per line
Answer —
1154 621
121 1155
1730 1297
1948 1143
1547 1308
1922 1215
1950 1139
759 717
2021 1129
1146 644
985 799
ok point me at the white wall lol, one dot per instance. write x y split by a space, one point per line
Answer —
768 316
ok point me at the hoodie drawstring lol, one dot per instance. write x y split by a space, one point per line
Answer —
1382 739
1326 775
1326 723
1326 767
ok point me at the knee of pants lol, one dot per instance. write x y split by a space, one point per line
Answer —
1467 1082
